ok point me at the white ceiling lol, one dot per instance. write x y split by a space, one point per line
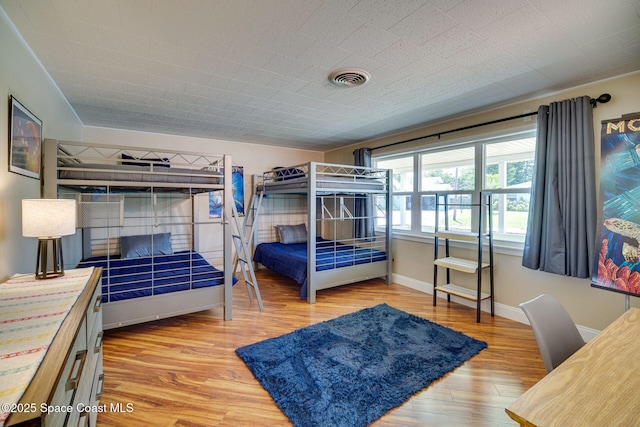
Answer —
256 70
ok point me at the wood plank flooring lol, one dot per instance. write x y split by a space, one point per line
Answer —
183 371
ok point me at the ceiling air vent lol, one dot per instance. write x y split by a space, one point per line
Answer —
349 77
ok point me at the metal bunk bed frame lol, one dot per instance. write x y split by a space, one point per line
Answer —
316 181
192 178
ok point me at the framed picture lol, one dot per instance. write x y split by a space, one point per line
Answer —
215 198
25 141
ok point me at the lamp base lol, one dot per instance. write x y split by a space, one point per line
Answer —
43 258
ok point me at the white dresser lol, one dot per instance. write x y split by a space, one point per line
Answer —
65 389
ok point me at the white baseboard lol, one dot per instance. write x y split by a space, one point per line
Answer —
502 310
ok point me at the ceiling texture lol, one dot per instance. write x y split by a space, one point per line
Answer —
256 70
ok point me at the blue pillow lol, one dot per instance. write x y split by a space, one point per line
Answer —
145 245
292 233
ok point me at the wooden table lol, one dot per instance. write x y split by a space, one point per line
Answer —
599 385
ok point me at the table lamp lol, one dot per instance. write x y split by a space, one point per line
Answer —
48 220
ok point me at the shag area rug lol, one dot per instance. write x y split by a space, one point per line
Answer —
351 370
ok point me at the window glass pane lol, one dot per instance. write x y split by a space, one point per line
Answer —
460 211
428 213
509 164
380 211
402 172
448 170
401 212
510 213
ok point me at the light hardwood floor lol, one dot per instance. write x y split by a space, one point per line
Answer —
183 371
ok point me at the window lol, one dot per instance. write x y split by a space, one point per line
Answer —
446 171
502 165
402 190
508 174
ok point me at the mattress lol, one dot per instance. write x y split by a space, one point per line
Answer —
347 184
136 173
291 259
129 278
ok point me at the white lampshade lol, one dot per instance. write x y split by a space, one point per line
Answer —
48 217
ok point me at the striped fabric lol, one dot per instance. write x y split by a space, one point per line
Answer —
31 312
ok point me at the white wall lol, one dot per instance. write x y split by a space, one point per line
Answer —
589 307
23 77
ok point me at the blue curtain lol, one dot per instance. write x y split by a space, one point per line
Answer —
363 227
562 214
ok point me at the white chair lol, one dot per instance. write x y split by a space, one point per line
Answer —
556 333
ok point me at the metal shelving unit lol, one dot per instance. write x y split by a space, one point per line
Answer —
483 235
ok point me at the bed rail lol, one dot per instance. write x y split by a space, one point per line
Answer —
346 211
137 194
325 177
95 165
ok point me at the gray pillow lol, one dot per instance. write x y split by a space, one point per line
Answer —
144 245
292 233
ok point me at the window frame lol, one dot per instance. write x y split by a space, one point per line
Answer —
417 230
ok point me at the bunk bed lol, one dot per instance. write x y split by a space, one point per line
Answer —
307 221
144 218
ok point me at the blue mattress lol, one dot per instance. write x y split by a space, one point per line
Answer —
140 277
291 259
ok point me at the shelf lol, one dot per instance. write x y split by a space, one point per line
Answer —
481 261
460 264
457 235
461 292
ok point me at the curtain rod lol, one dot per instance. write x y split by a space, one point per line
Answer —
604 98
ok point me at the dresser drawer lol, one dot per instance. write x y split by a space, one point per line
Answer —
94 338
92 376
84 396
94 310
61 404
96 390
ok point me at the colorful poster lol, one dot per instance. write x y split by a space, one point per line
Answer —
216 198
617 258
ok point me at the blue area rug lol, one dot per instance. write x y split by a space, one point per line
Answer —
351 370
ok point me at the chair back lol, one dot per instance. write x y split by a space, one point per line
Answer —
556 333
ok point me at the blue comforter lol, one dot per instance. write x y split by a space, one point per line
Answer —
139 277
291 259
